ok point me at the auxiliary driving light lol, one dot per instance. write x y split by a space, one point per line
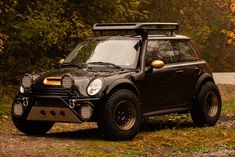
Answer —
86 112
67 82
18 109
27 81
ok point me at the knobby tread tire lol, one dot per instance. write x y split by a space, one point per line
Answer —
106 123
199 112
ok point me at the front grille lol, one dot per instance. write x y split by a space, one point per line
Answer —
52 93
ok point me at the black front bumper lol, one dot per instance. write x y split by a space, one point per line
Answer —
54 106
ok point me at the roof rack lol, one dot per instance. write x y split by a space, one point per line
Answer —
140 28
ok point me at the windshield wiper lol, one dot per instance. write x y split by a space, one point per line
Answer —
107 64
69 64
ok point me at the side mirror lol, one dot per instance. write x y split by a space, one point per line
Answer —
157 64
61 61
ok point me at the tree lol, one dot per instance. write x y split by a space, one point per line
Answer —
231 32
203 21
39 32
35 34
5 9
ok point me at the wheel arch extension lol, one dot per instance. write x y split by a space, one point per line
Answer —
206 77
122 84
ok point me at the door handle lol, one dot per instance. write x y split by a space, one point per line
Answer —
179 71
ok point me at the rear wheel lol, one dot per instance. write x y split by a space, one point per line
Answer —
32 127
207 109
121 116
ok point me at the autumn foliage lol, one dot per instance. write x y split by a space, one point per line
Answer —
35 34
231 32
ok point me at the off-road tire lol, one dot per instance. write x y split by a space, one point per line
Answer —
32 127
207 108
120 117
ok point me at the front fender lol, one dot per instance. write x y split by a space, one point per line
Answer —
206 77
122 83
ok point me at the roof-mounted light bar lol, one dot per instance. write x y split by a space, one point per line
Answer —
139 28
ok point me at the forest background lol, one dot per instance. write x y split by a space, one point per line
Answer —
35 34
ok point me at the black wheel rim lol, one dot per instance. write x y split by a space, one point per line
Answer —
212 104
125 115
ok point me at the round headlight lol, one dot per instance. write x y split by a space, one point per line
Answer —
94 87
27 81
67 82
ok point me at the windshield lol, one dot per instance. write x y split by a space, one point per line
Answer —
123 53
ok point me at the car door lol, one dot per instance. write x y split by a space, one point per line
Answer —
161 87
188 63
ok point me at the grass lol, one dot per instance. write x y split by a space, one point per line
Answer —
228 108
147 143
101 148
228 97
6 96
162 135
4 108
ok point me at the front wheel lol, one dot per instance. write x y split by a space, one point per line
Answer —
121 116
207 109
31 127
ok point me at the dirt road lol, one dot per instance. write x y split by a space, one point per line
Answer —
72 139
225 78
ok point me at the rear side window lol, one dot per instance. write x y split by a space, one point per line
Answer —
184 51
159 50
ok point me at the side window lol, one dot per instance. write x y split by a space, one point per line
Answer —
159 50
175 46
187 53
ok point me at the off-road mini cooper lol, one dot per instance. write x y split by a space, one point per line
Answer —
136 71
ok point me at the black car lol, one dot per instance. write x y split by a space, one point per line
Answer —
116 80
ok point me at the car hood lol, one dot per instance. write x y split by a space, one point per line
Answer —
53 78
